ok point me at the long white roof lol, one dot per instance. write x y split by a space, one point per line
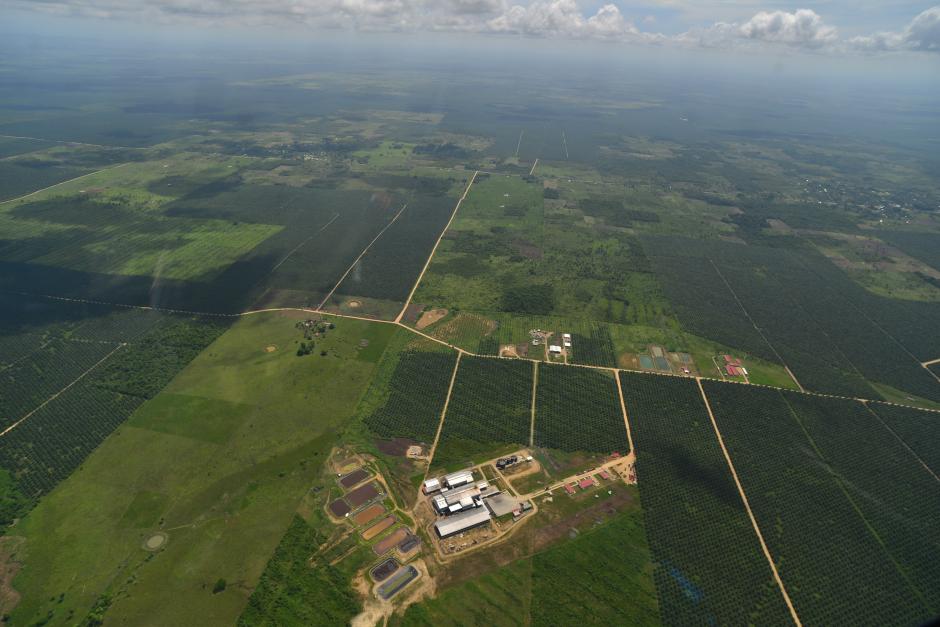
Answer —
458 522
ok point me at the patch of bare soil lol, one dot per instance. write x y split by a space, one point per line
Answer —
412 313
508 350
397 447
354 304
628 361
561 529
430 317
9 566
270 348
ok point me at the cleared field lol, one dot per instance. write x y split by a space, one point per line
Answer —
709 565
490 407
577 409
826 483
226 505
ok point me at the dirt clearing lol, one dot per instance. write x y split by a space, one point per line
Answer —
9 566
430 317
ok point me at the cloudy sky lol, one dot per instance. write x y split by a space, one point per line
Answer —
839 27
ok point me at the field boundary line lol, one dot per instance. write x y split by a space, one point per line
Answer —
302 244
39 191
535 382
901 440
747 506
440 425
361 255
534 165
62 391
519 143
754 324
427 264
68 143
931 362
623 408
840 483
250 312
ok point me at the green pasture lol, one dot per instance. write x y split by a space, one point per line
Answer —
219 461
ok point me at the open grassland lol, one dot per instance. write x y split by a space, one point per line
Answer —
577 409
222 484
709 566
490 409
847 512
601 577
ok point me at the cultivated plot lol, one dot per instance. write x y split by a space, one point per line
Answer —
709 564
826 483
490 409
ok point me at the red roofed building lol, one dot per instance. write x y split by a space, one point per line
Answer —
604 475
569 488
586 483
731 370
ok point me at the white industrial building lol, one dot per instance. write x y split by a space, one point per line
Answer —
461 522
432 485
457 479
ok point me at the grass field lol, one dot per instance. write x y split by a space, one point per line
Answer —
219 462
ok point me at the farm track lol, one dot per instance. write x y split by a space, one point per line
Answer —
427 264
440 425
39 191
930 363
623 408
535 384
326 299
455 348
62 391
747 506
302 244
902 442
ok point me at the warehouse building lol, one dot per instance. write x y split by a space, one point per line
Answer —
457 479
462 522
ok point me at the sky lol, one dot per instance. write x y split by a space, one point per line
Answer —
819 27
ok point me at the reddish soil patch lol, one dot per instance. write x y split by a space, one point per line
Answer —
353 478
369 514
412 313
430 317
397 447
385 545
361 495
378 528
340 508
528 249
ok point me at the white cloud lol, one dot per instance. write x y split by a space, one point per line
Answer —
802 28
921 34
799 29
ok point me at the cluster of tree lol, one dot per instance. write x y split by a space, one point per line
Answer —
305 348
536 299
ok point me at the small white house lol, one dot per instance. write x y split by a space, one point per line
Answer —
554 349
431 486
